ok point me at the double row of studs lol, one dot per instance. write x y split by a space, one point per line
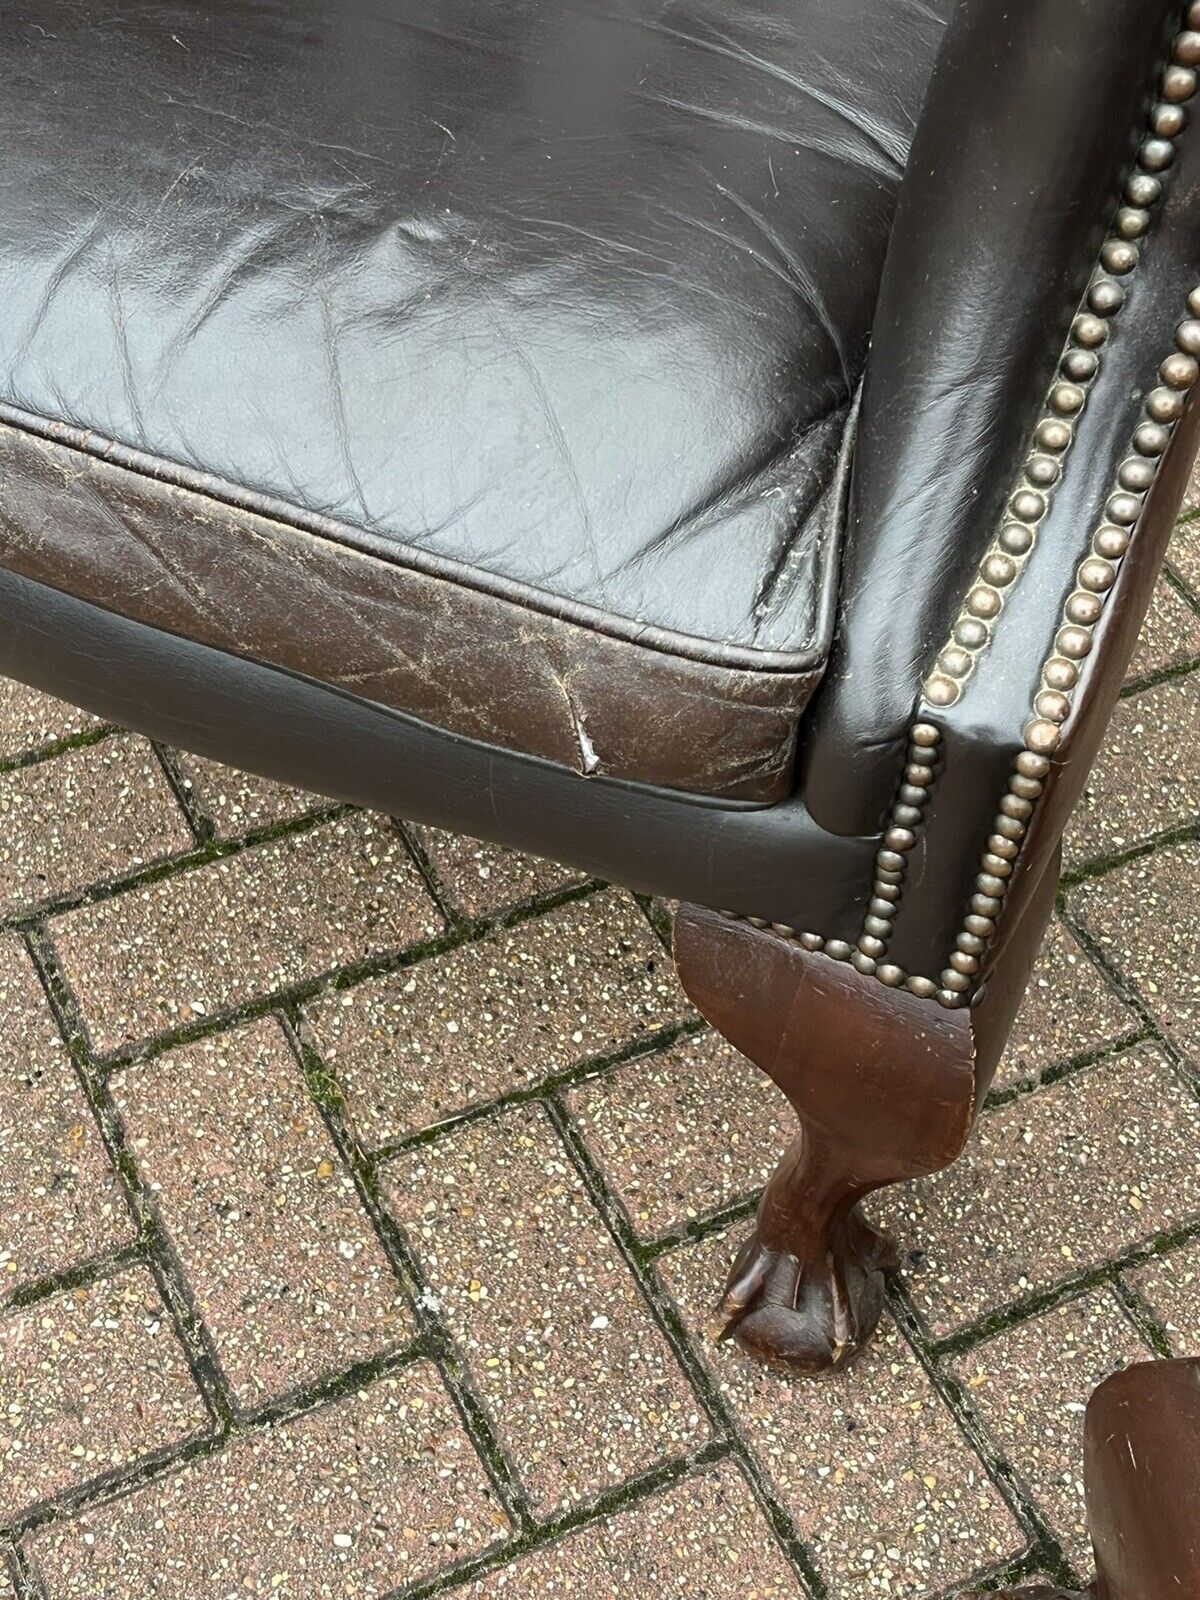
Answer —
1081 613
1002 565
1029 503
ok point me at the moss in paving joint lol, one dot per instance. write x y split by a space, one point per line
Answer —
1066 1069
58 747
204 829
196 1342
1152 680
1101 866
589 1069
670 1324
1139 1313
437 1339
696 1229
657 918
994 1462
80 1276
1005 1318
24 1579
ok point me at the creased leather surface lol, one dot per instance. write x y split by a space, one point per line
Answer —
454 657
570 295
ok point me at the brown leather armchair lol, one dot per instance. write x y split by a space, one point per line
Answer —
726 447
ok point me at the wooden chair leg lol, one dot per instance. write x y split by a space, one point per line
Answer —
884 1087
1142 1478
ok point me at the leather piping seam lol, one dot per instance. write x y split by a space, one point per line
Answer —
1001 568
664 641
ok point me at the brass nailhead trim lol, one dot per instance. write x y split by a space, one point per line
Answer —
1003 565
1029 502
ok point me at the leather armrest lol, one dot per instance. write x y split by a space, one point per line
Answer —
1033 112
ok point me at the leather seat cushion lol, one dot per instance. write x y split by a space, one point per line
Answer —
491 359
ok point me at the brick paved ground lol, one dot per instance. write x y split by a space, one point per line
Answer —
363 1190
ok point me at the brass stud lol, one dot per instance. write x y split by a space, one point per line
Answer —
1187 336
1053 435
758 922
996 865
949 1000
1186 49
912 795
1016 539
1106 297
1025 788
1119 256
986 905
1080 365
1089 330
925 735
970 632
918 773
1083 608
1095 575
1009 828
998 570
970 944
885 909
1136 474
988 884
1052 705
899 840
984 602
955 661
1164 405
864 963
923 988
890 974
1027 505
837 949
872 947
982 927
1178 84
884 894
1180 371
1110 542
1167 120
1156 155
1194 302
876 927
998 846
1072 642
955 982
1067 399
1060 674
961 962
1044 471
1150 440
812 941
1143 190
941 691
907 816
1030 765
1042 737
1016 807
1132 222
889 861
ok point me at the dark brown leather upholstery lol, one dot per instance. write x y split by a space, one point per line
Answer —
491 359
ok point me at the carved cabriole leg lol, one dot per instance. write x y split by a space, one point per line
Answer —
885 1086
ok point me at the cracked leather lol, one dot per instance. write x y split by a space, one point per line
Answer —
492 360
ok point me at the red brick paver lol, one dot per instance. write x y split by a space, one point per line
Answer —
286 1270
59 1198
90 1380
583 1387
531 1001
704 1537
353 1500
266 918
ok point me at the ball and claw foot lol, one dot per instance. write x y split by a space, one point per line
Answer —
812 1313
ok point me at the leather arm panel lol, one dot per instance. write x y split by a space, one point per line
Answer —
1032 114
